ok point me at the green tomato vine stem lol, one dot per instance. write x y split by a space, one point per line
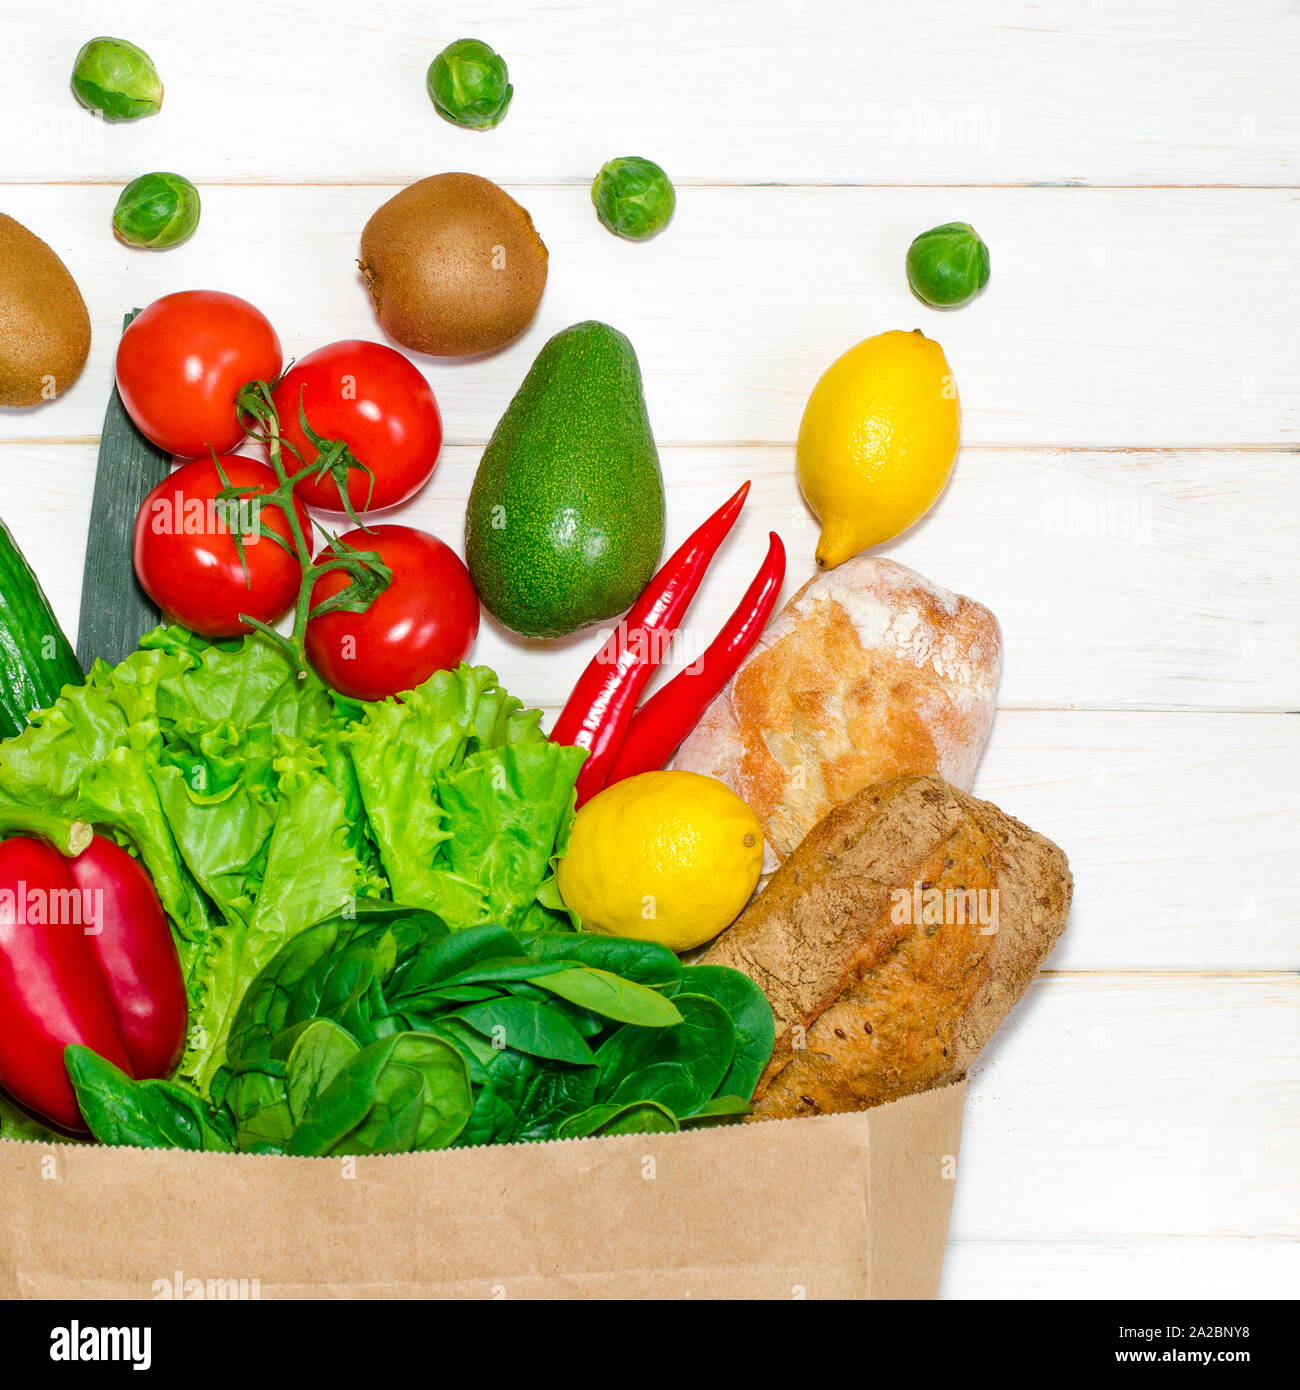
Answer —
368 574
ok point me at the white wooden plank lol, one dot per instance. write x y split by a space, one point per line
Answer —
997 91
1178 827
1181 1267
1107 571
1136 1105
1123 318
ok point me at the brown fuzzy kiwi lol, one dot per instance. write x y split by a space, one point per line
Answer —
44 326
454 266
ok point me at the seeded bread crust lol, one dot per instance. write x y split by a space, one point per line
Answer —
870 1007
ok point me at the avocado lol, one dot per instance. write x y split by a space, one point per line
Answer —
565 522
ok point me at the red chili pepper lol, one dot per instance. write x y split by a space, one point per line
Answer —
86 956
600 709
673 711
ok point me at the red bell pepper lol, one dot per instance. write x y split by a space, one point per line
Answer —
86 956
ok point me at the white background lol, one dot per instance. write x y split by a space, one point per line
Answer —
1125 499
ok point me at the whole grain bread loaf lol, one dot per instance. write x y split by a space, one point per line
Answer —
892 942
870 671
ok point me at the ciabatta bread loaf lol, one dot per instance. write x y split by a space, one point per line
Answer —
869 672
892 942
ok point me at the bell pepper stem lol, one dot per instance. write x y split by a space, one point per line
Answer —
69 837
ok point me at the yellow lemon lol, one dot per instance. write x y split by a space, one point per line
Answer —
877 441
667 856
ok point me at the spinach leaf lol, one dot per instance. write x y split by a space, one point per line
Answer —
347 986
625 1001
476 1050
645 962
750 1013
319 1053
527 989
410 1091
392 1122
389 1032
675 1085
429 1001
556 1094
461 950
686 1062
498 1100
147 1114
590 1025
720 1110
256 1098
640 1117
643 1117
305 970
528 1026
505 970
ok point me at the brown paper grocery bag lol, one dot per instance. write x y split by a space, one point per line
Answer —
840 1206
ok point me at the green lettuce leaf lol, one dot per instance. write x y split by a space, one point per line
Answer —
467 800
510 805
261 803
311 870
16 1123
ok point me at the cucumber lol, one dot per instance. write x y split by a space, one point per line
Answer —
36 659
115 611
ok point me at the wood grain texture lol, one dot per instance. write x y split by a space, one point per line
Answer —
804 91
738 309
1173 824
1125 1105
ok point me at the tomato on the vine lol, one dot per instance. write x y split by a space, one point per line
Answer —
425 621
373 400
187 559
181 363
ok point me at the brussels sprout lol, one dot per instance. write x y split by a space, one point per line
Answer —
948 266
633 197
116 79
157 210
470 85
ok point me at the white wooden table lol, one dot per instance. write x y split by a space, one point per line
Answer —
1126 497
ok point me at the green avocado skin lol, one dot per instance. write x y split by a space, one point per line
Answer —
565 522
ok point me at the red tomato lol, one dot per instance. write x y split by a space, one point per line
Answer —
425 621
180 363
379 405
185 553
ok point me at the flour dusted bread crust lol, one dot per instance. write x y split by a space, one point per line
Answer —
878 989
869 672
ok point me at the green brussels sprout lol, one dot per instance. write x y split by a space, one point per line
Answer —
116 79
157 210
470 85
948 266
633 197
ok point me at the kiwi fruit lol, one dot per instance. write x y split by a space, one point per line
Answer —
454 265
44 326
